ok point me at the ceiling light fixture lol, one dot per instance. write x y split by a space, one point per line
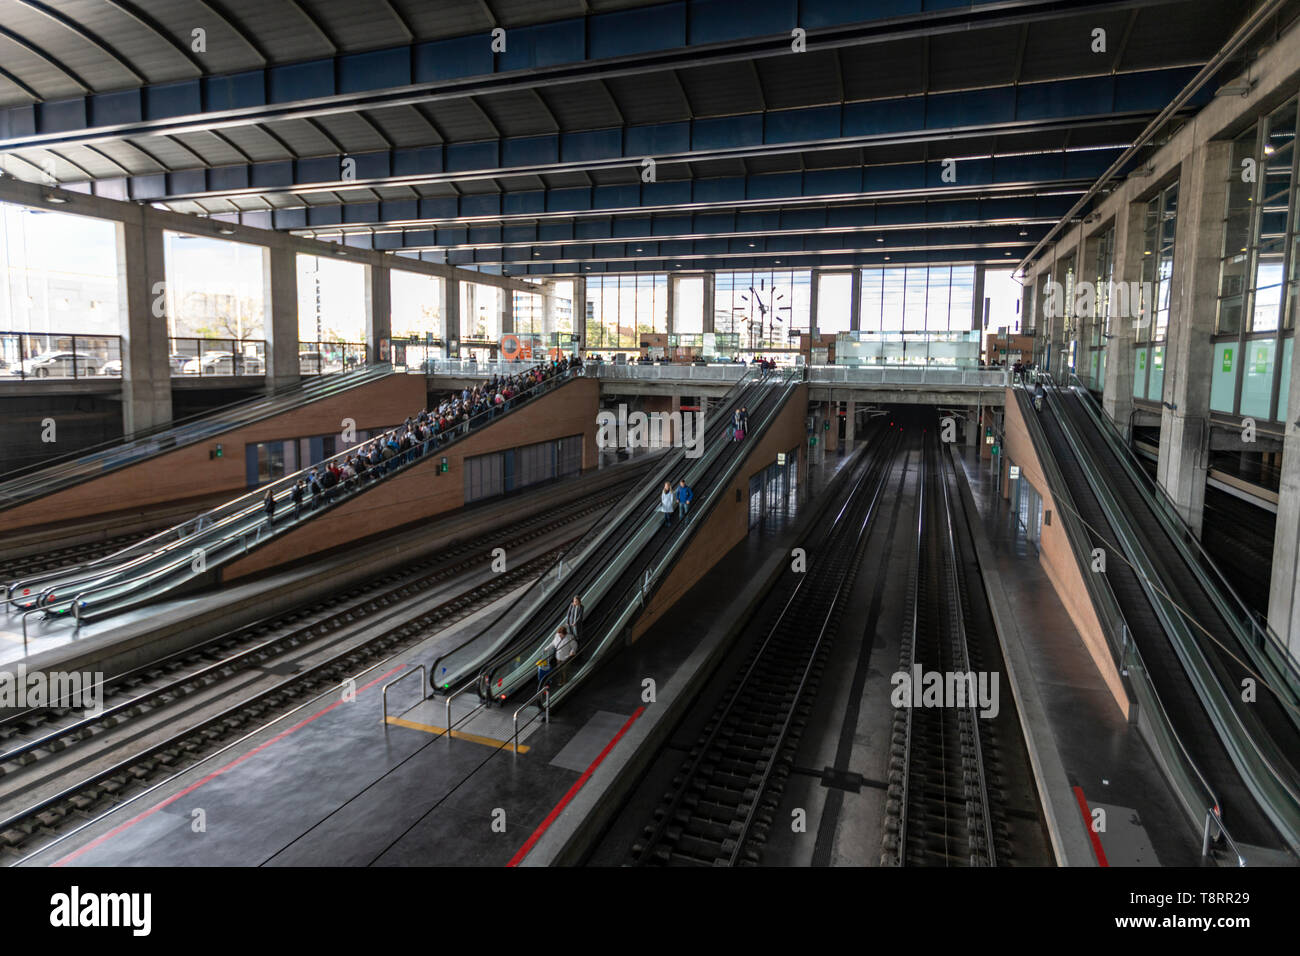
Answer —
55 198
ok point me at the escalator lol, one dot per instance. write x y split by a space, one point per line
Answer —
186 556
1244 752
36 481
614 569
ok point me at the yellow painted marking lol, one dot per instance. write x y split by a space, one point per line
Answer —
458 734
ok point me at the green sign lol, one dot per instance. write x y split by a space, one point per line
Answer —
995 449
1227 360
1261 361
442 465
1142 360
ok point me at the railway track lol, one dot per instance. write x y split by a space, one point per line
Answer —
938 812
225 686
723 802
32 564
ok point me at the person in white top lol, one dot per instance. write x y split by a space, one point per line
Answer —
667 503
563 646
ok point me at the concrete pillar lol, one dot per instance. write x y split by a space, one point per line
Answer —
280 302
708 325
451 316
850 424
972 427
379 313
580 311
855 301
1117 390
977 302
832 435
507 300
1198 243
670 317
146 370
1284 585
547 291
812 306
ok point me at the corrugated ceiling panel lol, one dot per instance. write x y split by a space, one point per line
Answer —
254 141
517 113
581 106
642 101
808 80
722 89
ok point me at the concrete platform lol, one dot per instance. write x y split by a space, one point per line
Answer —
337 784
1087 757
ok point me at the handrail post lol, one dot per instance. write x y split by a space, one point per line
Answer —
418 668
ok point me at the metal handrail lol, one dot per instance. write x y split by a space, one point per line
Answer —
545 694
1253 765
594 655
1218 587
250 505
418 668
576 555
452 696
1168 743
178 433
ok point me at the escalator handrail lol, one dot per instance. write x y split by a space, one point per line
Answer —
98 460
1258 772
532 600
1135 674
222 518
1193 552
611 569
791 380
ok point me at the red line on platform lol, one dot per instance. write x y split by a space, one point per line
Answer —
212 776
573 791
1087 823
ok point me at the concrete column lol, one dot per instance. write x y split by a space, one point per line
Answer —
977 302
280 301
379 313
850 425
708 303
507 300
972 427
451 316
547 291
580 311
146 371
855 301
812 306
832 435
1184 418
1117 390
670 316
1284 585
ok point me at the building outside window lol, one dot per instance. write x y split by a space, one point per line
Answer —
1158 233
1255 324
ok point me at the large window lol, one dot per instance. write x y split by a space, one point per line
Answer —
58 272
835 301
1158 232
416 302
767 310
917 299
215 288
1258 287
688 305
331 300
1095 324
621 308
480 312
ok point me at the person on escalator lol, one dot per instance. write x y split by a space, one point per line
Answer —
573 617
1039 394
299 490
269 504
667 504
684 498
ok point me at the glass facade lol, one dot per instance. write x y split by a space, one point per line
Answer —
621 308
331 300
917 298
58 273
215 288
1158 233
766 310
834 302
1095 323
688 305
1255 321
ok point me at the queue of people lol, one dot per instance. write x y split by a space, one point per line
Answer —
416 436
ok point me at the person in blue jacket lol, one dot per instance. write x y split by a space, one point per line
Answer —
684 498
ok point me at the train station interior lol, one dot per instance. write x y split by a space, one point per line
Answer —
626 433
